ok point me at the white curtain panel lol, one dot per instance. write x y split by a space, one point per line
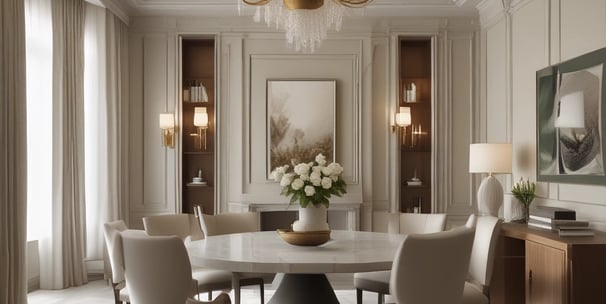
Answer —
95 131
68 147
117 116
39 54
13 154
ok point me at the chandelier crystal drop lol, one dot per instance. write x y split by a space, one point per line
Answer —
306 23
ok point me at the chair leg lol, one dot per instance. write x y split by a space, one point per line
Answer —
381 298
210 295
358 296
116 293
262 290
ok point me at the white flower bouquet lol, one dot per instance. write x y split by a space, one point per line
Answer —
313 182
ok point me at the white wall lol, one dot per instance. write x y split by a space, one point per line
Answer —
363 58
518 40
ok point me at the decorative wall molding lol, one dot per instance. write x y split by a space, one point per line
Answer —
119 8
491 12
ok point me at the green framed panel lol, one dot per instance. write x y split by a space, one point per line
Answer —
572 154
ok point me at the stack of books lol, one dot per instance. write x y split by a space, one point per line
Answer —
559 219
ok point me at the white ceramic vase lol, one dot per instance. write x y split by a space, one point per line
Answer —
312 218
513 209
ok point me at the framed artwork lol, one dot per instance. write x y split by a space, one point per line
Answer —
570 120
300 121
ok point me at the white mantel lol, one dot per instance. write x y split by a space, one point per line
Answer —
346 215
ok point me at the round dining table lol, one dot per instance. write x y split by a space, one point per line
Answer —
304 267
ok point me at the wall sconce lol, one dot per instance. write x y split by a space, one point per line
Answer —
167 124
201 122
403 120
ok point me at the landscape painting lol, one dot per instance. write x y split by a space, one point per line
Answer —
301 121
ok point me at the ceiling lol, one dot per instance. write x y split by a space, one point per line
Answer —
230 7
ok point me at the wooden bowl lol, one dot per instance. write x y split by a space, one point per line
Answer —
304 238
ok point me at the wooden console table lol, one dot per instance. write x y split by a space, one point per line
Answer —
534 265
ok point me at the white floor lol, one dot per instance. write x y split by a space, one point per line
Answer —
99 292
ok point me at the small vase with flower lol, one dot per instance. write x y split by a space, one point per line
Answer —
523 191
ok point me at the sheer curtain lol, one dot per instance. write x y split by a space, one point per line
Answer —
13 158
68 148
95 131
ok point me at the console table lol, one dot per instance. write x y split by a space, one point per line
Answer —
534 265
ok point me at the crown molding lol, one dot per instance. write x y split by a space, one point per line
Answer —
490 12
120 8
433 8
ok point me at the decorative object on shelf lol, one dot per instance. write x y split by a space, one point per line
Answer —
416 134
304 238
198 179
571 128
414 181
195 92
490 158
411 92
311 185
201 122
403 120
305 22
167 124
523 191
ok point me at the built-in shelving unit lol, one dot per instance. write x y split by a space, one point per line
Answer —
415 90
198 152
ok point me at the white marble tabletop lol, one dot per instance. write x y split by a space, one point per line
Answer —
266 252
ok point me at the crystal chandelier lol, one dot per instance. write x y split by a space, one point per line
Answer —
305 22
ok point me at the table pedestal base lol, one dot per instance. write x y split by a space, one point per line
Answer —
304 289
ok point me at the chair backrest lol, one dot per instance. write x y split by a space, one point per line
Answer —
484 247
157 269
415 223
431 268
227 223
181 225
472 220
114 249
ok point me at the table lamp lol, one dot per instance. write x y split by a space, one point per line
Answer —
490 158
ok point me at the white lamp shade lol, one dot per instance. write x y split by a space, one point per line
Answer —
167 121
200 117
571 111
403 117
490 158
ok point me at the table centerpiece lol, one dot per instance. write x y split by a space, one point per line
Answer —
311 185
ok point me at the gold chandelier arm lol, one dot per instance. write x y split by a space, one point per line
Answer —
353 3
258 2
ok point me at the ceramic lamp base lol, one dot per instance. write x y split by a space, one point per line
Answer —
490 196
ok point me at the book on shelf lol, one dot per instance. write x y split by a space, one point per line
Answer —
553 213
576 232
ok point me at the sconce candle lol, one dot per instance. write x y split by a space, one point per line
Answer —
167 124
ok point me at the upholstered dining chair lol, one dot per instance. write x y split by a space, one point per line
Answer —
431 268
114 250
403 223
185 227
158 271
228 223
482 259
